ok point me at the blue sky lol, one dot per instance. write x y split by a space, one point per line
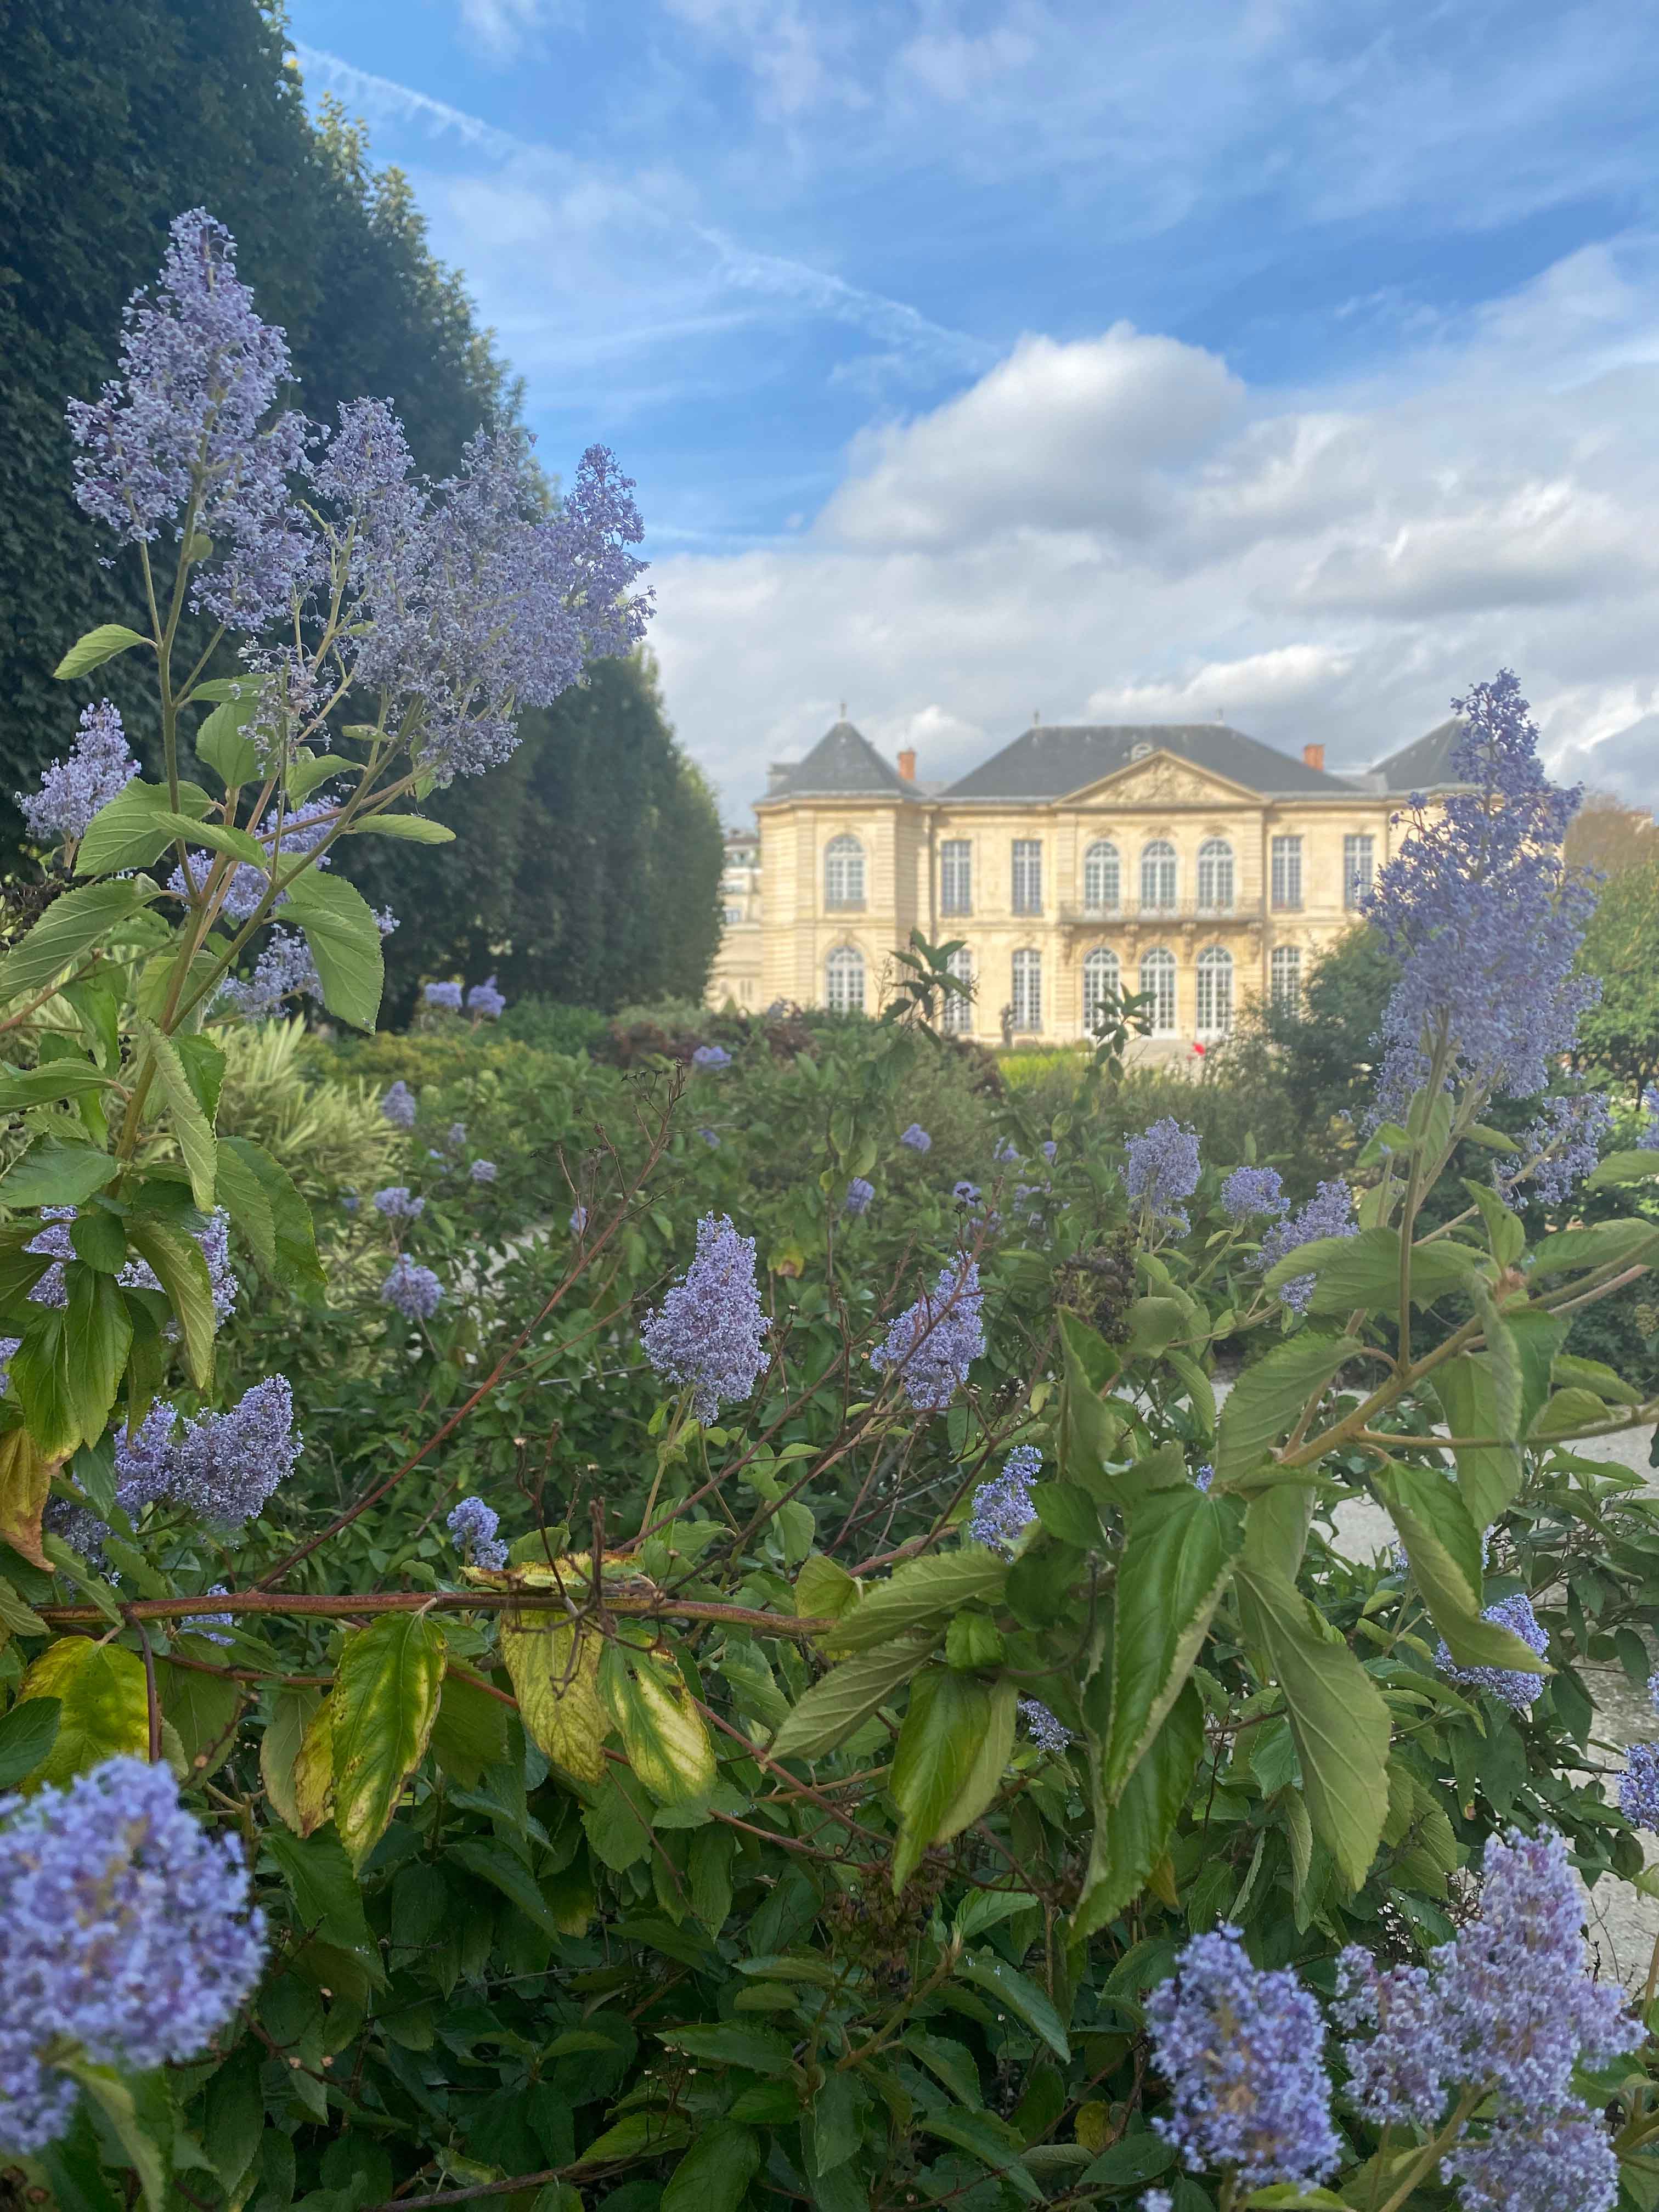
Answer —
1298 361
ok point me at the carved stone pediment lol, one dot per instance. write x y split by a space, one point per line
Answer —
1165 779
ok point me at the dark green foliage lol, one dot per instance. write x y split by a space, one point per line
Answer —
1621 1033
116 115
586 871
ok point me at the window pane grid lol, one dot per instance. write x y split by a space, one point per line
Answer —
1158 877
1284 977
1358 864
1157 980
1215 993
1100 974
1028 991
956 877
844 981
1102 878
1287 872
843 872
957 1015
1028 875
1215 876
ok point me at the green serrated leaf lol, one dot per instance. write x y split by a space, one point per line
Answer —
413 829
70 928
1176 1563
344 938
190 1124
97 647
385 1700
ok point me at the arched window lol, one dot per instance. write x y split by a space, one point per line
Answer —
1102 878
843 872
1215 876
1158 876
957 1014
1215 992
1101 982
844 981
1028 990
1284 977
1157 980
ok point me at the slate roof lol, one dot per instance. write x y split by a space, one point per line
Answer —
843 764
1425 763
1055 759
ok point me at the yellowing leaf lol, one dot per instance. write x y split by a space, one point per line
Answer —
279 1752
312 1779
554 1666
25 1483
386 1696
104 1708
662 1732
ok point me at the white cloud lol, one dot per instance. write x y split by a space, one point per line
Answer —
1117 529
1056 437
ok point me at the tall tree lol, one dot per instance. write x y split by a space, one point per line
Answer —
588 867
1621 1035
115 115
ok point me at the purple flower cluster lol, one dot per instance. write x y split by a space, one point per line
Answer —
99 769
1508 2010
415 1292
1328 1212
1006 1153
223 1467
199 373
1241 2050
708 1335
709 1058
396 1203
1559 1148
485 1001
1163 1170
399 1106
473 1525
1511 1687
467 601
579 1220
917 1139
1003 1510
933 1344
213 1241
1483 918
128 1935
446 996
1638 1787
482 1172
1249 1191
858 1196
284 969
711 1137
965 1194
1045 1731
290 834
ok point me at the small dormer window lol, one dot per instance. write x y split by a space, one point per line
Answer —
1140 751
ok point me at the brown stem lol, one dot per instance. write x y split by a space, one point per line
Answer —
655 1606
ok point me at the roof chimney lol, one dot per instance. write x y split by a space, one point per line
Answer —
777 774
1314 756
906 764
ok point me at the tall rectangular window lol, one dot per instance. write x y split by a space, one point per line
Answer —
1284 978
1287 872
1358 866
956 875
957 1014
1028 876
1028 990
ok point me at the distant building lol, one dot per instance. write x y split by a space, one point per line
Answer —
1186 859
735 978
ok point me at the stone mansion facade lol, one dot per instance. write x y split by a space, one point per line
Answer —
1187 861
